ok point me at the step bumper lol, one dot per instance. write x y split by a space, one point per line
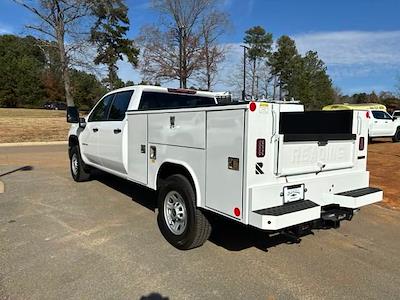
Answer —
302 211
355 198
286 215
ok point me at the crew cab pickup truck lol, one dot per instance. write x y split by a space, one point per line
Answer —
268 165
381 124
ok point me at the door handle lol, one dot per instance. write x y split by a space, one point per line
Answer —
116 131
95 129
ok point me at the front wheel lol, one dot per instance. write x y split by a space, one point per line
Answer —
181 223
79 170
396 137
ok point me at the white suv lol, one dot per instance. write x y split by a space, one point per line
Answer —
383 125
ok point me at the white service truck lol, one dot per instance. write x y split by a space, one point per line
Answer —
268 165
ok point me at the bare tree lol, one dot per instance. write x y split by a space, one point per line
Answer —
58 20
212 27
265 80
234 78
173 48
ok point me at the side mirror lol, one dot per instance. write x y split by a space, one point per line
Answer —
82 122
394 118
72 114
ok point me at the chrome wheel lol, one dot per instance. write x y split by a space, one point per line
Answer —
175 212
74 164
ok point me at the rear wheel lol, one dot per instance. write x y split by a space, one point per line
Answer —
181 223
396 137
79 171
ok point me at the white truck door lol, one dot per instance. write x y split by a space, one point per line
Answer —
382 124
137 148
113 134
224 167
89 137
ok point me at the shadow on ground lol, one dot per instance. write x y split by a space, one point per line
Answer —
226 233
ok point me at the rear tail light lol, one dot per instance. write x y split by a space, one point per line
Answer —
367 115
260 151
361 144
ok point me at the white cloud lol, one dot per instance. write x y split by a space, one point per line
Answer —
358 57
353 47
349 55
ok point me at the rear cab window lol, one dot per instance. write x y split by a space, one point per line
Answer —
120 105
111 107
157 100
100 112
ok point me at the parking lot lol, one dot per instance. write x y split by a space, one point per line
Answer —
99 239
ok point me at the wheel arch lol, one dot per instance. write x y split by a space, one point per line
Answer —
171 167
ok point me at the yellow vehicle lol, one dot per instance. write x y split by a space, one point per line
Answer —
360 106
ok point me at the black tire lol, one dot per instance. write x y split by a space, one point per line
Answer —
80 172
396 137
197 229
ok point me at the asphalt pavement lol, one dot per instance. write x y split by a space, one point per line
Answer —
99 240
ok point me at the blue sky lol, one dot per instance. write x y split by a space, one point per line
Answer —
359 40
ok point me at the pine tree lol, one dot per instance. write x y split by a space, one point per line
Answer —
259 43
109 35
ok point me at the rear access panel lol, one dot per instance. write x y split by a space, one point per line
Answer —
224 167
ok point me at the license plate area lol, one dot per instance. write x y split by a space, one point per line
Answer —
293 193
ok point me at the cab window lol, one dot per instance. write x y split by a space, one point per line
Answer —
100 112
381 115
119 106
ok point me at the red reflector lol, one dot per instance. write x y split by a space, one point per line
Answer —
260 152
361 144
236 211
367 115
252 106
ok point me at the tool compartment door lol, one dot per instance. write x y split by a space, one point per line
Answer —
224 167
184 129
137 148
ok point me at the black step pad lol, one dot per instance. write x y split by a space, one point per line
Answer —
359 192
287 208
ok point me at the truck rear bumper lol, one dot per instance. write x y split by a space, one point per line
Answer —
303 211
